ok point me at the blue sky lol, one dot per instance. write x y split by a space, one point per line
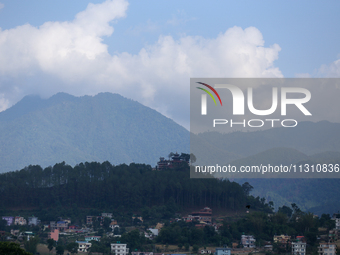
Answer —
149 49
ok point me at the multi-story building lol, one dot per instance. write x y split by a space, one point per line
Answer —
62 225
92 238
54 235
33 221
223 251
119 249
53 225
299 248
336 218
281 239
333 235
202 215
327 249
137 217
8 219
83 246
108 215
142 253
114 225
248 241
20 221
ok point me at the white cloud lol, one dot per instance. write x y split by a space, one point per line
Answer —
2 6
331 70
71 57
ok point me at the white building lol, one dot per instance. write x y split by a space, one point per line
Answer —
20 221
336 218
119 249
222 251
108 215
83 246
299 248
327 249
248 241
33 221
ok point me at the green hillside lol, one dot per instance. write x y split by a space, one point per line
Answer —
76 129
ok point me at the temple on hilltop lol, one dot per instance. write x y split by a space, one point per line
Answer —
175 160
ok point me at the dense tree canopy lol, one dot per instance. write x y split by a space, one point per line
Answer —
102 185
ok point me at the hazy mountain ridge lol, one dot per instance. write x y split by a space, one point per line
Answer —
307 137
77 129
110 127
307 143
315 195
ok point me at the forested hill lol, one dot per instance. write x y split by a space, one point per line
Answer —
132 187
105 127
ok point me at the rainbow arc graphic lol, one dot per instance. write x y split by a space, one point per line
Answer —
204 97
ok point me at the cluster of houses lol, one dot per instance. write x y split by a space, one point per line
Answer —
18 220
202 217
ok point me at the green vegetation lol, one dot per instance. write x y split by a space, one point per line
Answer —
9 248
77 129
61 190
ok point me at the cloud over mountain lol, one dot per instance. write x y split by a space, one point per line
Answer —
71 56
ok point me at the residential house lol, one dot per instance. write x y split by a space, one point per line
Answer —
62 225
54 235
203 251
333 235
268 247
33 221
15 232
9 219
113 225
137 217
223 251
336 218
299 248
28 234
83 246
89 220
327 249
248 241
281 239
143 253
159 226
151 233
119 249
20 221
204 216
108 215
68 221
92 238
73 227
53 225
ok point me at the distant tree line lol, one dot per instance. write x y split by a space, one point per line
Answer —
132 187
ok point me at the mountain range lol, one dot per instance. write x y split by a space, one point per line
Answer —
109 127
105 127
